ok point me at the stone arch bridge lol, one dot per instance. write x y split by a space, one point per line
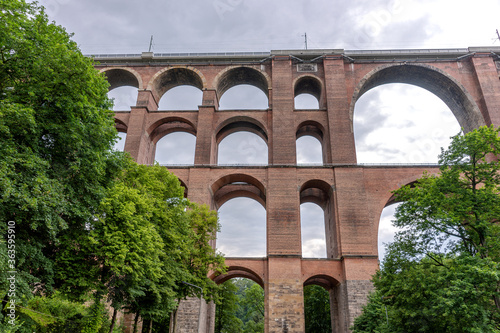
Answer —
352 195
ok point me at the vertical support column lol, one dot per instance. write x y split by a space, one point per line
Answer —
205 137
357 249
284 296
353 292
489 84
341 144
283 125
138 143
284 288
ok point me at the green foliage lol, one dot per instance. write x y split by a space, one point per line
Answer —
56 135
442 272
241 308
317 309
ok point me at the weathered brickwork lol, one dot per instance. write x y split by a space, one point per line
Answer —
351 195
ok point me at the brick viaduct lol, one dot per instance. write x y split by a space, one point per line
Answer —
352 195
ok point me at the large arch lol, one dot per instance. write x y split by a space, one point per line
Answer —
448 89
238 185
168 125
239 271
236 75
119 77
171 77
309 84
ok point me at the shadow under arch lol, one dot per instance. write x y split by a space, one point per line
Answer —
237 124
184 186
322 280
238 272
448 89
238 185
120 126
309 84
119 77
169 125
236 75
171 77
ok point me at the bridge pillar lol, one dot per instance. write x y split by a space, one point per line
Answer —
487 77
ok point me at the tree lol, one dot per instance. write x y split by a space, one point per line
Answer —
442 274
56 139
317 310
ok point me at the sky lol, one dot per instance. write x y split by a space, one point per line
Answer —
393 123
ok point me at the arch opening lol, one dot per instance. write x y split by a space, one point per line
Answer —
306 102
123 97
432 79
312 225
386 230
243 228
317 308
318 193
176 76
309 150
242 307
242 148
176 148
182 98
119 77
401 123
244 97
120 143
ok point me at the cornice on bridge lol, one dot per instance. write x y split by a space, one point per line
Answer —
305 56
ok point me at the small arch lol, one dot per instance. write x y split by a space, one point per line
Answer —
239 272
240 123
171 77
236 75
168 125
305 86
448 89
119 77
120 126
320 193
310 144
325 281
176 148
238 185
183 184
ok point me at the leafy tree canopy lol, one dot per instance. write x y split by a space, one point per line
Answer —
442 273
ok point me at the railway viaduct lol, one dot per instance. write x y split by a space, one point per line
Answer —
351 195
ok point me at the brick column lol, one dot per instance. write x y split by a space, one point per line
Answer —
138 143
489 85
284 289
283 134
205 152
284 296
339 124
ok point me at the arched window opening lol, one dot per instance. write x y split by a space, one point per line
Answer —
120 143
176 148
309 150
306 102
312 225
242 148
243 228
181 98
242 307
123 97
401 123
317 309
386 230
244 97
